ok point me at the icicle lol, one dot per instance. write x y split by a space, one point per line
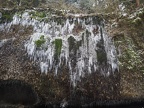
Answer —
52 44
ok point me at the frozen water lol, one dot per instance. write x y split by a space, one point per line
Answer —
80 43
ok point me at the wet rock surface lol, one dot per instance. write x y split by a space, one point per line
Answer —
15 64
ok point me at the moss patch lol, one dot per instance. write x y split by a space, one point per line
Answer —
38 14
40 41
58 46
6 16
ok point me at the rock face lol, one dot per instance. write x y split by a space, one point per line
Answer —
63 57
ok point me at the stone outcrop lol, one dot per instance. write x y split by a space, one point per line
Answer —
17 63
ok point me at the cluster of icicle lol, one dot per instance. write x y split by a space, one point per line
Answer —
83 30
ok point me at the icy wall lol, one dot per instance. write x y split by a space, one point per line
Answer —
78 42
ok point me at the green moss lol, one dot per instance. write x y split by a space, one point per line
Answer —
19 13
37 14
58 46
6 17
47 20
40 41
41 14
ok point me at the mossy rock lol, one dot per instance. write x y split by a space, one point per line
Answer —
40 41
6 16
58 46
41 14
37 14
